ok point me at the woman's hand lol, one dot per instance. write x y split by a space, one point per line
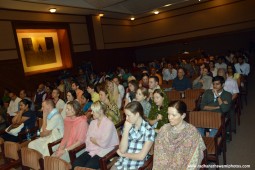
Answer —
59 153
127 126
159 117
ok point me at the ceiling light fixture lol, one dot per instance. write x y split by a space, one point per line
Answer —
52 10
167 5
132 19
156 12
101 15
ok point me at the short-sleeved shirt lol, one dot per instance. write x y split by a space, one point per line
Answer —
136 141
56 125
181 85
30 122
60 104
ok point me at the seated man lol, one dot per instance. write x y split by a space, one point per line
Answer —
181 82
14 104
216 100
52 128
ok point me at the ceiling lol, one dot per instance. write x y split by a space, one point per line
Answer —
111 8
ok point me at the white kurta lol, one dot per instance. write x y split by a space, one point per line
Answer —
56 125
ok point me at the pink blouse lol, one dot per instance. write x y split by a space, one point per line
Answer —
106 137
74 130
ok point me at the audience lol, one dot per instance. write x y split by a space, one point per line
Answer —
178 144
24 119
75 130
52 128
76 88
92 92
158 114
204 81
40 96
23 95
101 138
70 96
14 104
59 103
131 91
181 82
137 139
141 96
242 67
216 99
153 85
112 111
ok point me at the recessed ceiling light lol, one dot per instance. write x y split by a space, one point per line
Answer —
132 19
156 12
167 5
101 15
52 10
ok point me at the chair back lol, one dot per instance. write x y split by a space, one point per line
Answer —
53 163
193 93
82 168
173 95
191 104
11 150
206 119
30 158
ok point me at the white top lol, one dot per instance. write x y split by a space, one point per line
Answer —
243 69
222 65
56 125
60 105
13 106
231 86
166 74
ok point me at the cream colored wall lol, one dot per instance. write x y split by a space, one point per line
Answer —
8 48
213 17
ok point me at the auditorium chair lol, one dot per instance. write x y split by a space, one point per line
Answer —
217 144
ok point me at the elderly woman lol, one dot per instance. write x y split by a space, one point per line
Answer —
158 114
25 118
178 144
76 126
101 138
137 139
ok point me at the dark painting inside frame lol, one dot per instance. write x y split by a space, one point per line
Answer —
40 52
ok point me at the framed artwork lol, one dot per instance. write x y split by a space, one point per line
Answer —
40 50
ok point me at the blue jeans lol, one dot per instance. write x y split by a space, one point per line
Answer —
212 132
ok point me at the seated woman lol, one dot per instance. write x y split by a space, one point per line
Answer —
158 114
204 81
141 96
231 72
24 117
131 91
101 138
137 139
86 103
70 96
76 126
178 144
112 111
113 92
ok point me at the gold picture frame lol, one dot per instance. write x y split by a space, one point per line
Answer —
40 50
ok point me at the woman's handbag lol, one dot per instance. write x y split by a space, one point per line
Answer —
14 131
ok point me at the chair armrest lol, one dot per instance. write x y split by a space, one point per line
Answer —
104 160
72 153
218 134
147 164
50 145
